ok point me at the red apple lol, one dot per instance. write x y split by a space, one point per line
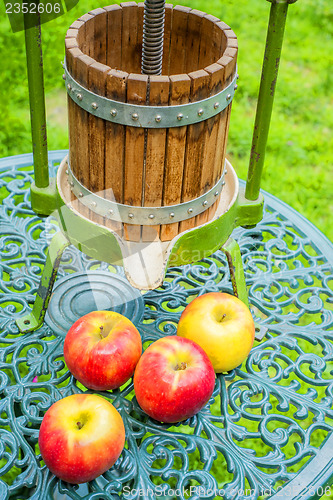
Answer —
102 349
173 379
222 325
81 437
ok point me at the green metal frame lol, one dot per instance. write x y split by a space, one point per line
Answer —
43 190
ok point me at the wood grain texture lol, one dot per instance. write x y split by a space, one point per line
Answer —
167 38
193 40
129 36
134 153
155 155
178 40
180 87
114 29
229 64
81 124
86 33
195 146
116 88
100 34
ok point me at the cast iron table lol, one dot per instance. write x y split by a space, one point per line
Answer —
267 431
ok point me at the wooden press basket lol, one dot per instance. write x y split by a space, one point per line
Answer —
156 166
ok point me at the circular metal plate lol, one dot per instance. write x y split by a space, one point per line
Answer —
81 293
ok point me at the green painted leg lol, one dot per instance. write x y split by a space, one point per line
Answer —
235 263
35 319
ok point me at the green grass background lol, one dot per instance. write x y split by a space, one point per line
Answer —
298 167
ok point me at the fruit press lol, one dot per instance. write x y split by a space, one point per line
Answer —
140 216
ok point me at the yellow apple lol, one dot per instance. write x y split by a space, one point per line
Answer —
222 325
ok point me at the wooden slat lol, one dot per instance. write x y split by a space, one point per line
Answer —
82 171
195 146
213 150
129 37
193 40
134 153
71 43
116 83
212 38
71 54
180 86
229 64
72 32
155 155
100 34
167 38
114 28
231 38
80 26
96 83
213 160
138 49
89 35
178 40
86 33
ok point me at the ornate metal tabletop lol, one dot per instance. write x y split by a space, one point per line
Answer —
267 430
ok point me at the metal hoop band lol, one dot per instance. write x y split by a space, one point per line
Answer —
145 216
148 116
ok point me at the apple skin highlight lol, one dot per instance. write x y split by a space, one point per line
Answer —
80 453
102 349
173 379
222 325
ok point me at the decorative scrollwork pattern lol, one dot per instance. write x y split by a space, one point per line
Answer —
267 420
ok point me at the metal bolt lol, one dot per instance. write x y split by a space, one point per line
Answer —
180 116
216 193
64 76
200 112
69 86
205 203
158 118
130 216
93 204
190 210
71 184
110 212
94 105
113 112
228 97
80 194
237 76
236 87
135 117
223 183
67 171
79 96
151 216
216 105
171 215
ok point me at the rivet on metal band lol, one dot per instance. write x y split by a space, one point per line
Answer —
149 116
144 215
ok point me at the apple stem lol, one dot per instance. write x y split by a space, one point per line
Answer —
182 366
79 425
223 316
